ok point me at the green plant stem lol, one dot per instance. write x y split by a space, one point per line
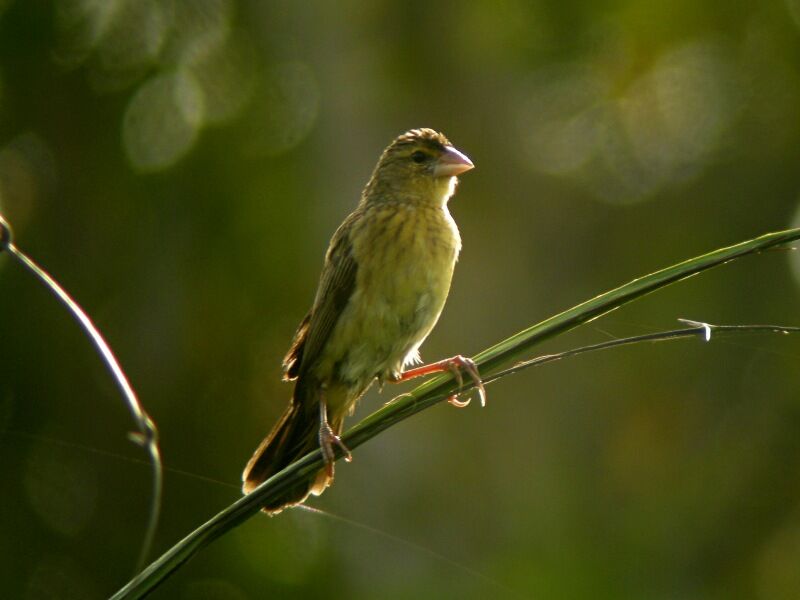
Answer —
431 392
147 437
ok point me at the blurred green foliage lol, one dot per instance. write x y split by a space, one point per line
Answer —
179 166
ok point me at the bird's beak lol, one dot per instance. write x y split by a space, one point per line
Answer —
451 163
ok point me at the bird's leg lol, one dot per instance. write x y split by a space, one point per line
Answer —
454 365
328 439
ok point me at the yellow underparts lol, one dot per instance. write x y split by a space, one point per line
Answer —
405 255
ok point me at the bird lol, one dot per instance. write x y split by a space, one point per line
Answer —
384 282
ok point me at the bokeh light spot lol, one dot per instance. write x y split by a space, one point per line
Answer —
82 24
130 45
557 119
675 115
226 78
287 109
198 27
62 490
162 121
626 142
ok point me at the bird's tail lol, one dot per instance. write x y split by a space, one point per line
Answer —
295 435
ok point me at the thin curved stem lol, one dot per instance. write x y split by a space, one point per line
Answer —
147 436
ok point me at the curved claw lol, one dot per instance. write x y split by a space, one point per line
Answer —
459 362
458 403
327 440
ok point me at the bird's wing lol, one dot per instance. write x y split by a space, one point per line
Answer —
337 283
294 356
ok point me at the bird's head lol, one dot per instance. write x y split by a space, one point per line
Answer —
421 165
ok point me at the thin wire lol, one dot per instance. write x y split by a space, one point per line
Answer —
698 329
235 486
147 437
412 545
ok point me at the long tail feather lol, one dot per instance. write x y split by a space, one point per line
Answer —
295 435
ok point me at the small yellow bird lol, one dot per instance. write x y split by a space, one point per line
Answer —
385 280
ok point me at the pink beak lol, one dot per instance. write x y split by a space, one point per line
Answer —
452 163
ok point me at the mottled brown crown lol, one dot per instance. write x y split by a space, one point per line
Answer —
423 137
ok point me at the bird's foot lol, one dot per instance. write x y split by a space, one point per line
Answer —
455 365
327 441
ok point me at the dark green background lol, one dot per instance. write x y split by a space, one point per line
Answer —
179 167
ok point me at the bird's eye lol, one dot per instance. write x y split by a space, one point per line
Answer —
419 157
